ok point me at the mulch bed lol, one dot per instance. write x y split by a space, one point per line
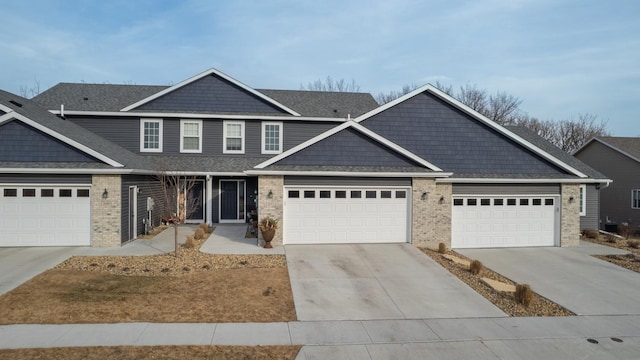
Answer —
540 306
629 261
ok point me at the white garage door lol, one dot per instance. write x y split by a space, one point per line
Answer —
44 215
346 215
504 221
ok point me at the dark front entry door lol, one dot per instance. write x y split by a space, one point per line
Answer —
196 193
232 200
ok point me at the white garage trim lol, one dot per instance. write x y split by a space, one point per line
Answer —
344 214
45 215
490 221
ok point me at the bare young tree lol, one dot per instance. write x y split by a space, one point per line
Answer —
329 84
384 98
30 91
179 200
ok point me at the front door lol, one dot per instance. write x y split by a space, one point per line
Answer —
232 201
196 214
133 200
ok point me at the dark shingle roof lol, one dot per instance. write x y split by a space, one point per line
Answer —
324 103
219 164
94 97
630 145
108 97
553 150
71 130
355 169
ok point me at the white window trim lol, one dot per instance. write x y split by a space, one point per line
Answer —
264 138
160 126
224 137
632 190
583 200
185 121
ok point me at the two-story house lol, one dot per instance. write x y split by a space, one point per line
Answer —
332 167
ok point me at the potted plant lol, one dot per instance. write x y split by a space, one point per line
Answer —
268 227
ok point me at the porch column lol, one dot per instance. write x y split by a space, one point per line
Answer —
209 202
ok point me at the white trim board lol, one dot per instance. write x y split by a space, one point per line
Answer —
202 75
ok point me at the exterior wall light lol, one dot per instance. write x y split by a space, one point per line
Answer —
441 199
424 195
270 194
105 194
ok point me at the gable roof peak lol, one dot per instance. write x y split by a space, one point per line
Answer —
203 74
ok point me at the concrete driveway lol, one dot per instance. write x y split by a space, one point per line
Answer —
18 265
569 277
377 281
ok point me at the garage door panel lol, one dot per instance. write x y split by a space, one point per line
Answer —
30 219
368 218
526 221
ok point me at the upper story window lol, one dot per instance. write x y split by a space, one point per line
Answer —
151 135
271 137
233 137
635 199
191 136
583 200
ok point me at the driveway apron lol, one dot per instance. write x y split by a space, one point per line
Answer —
377 281
569 277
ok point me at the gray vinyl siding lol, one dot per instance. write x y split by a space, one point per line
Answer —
615 200
122 131
44 179
298 132
22 143
454 141
506 189
148 186
347 148
591 218
212 94
344 181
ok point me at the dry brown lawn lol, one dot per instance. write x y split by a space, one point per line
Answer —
190 287
156 352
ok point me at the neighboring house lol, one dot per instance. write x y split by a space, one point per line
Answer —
332 167
619 159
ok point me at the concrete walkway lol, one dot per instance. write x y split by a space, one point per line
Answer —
230 239
487 338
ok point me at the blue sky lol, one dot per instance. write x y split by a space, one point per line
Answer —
561 57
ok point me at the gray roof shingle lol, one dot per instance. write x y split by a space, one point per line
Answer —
109 97
553 150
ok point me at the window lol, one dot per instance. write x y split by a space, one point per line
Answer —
472 202
635 198
191 136
385 194
64 193
356 194
511 202
150 135
583 200
401 194
10 192
498 202
46 193
325 194
524 202
294 194
485 202
82 193
309 194
271 137
548 202
537 202
28 192
341 194
458 202
370 194
233 137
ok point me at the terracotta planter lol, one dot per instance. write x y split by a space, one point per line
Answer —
268 235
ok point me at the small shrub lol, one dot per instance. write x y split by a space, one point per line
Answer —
635 244
199 234
610 238
206 266
189 243
524 294
625 230
476 267
204 227
591 233
442 248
